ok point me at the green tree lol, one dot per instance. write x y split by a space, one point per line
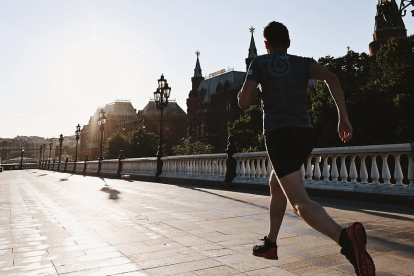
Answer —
248 130
191 148
142 143
116 143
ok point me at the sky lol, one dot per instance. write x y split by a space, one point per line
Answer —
61 60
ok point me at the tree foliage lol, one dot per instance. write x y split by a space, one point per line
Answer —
136 144
191 148
379 94
248 130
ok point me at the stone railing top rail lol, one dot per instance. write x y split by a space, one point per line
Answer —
392 148
138 159
198 156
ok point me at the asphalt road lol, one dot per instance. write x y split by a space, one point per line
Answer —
61 224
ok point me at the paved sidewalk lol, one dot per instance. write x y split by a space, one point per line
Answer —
60 224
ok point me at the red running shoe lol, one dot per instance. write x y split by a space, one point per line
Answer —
359 257
267 249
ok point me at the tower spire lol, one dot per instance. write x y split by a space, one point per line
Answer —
197 69
252 48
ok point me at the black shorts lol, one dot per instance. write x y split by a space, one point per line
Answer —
288 148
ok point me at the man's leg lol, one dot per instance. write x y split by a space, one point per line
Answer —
277 207
311 212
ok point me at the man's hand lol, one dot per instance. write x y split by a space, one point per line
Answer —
344 129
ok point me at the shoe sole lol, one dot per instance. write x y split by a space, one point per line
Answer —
365 263
267 255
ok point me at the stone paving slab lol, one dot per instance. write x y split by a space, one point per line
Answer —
61 224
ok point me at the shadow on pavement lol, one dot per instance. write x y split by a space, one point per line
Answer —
113 194
391 216
238 200
66 178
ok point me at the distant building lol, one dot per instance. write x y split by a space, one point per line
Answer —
212 104
122 117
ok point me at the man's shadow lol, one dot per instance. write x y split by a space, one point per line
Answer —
113 194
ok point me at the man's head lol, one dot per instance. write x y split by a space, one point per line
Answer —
276 36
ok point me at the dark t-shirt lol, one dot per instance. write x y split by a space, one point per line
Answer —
284 81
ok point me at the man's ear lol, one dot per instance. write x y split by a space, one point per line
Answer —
267 45
288 45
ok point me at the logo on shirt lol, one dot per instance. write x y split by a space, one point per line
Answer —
279 65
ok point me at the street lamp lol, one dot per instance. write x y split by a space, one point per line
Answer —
101 124
60 150
43 159
50 153
21 159
40 156
161 96
77 132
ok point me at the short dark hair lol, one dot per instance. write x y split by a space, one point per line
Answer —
276 34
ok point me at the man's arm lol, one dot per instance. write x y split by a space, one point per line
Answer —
320 73
247 94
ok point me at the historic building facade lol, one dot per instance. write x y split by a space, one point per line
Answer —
122 117
212 105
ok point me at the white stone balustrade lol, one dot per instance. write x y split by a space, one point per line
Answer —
350 174
138 166
69 166
108 167
202 166
92 167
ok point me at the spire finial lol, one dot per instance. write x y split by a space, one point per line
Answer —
252 29
197 53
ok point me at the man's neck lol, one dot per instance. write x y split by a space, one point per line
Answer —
277 50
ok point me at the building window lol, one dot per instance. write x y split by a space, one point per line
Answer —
227 105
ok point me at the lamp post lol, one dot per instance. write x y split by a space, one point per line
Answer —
21 159
60 150
43 159
50 153
161 96
40 156
101 123
77 132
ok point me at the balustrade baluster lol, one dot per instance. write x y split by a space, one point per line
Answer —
363 173
374 171
243 168
386 175
325 172
224 166
309 169
258 168
264 172
353 171
248 168
317 168
410 171
398 174
238 168
252 168
334 169
344 171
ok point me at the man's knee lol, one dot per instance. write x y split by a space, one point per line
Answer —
300 205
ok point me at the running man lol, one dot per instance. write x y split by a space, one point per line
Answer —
290 139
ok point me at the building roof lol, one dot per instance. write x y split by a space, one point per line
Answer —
118 108
172 109
252 48
234 79
197 69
